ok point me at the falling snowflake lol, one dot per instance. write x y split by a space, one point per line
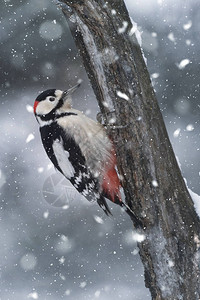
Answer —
155 75
188 25
154 183
183 63
171 37
67 292
46 214
83 284
137 237
40 170
122 95
33 295
97 294
176 132
29 138
28 262
189 127
98 219
123 28
29 108
50 31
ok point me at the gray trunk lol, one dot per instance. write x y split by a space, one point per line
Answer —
152 182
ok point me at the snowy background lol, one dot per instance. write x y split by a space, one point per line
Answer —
55 245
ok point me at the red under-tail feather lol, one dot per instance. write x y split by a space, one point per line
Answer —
111 184
111 190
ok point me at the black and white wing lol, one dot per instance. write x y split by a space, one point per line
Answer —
67 157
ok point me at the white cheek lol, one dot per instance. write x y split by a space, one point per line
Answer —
58 93
44 107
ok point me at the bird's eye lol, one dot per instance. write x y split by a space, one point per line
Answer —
51 99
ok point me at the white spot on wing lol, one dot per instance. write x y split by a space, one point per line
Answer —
85 192
62 157
78 179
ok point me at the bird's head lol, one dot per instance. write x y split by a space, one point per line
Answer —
53 102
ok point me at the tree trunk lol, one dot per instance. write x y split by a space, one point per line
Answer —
152 182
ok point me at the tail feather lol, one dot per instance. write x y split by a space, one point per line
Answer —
137 223
103 204
111 190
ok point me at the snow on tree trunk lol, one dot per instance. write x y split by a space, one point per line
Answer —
152 181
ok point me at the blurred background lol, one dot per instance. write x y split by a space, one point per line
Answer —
55 245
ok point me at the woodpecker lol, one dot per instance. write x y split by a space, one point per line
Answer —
79 148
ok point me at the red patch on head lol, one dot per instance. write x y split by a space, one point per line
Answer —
35 106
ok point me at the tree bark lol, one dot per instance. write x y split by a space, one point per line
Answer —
152 182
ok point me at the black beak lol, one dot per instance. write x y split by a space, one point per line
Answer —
69 92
